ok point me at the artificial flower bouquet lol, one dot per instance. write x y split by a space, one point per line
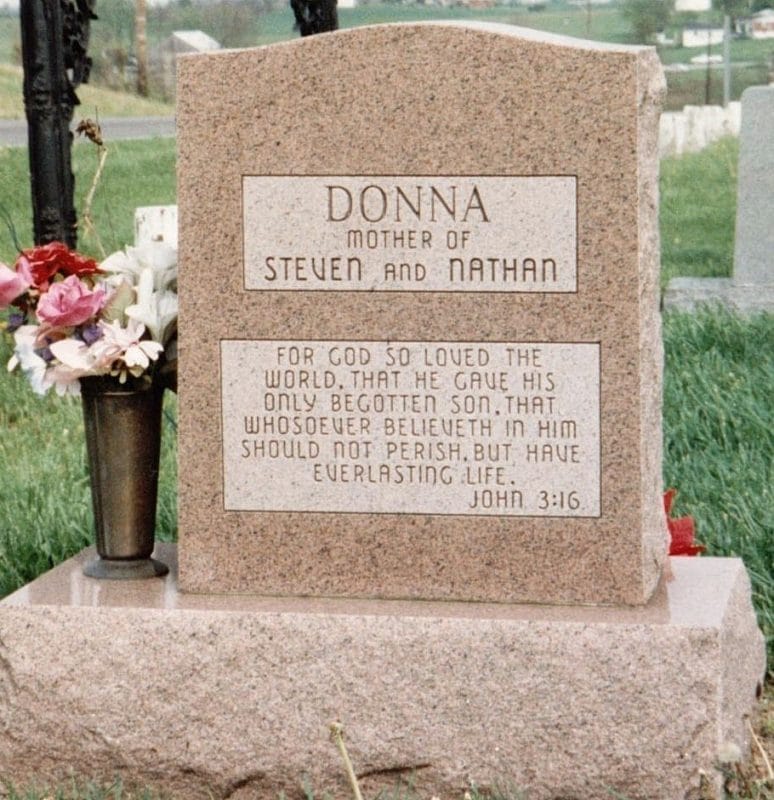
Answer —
72 318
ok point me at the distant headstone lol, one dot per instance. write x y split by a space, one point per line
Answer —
155 224
164 57
420 348
751 288
754 245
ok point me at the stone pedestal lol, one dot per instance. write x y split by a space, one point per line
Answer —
232 696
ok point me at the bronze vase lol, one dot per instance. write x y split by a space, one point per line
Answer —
123 444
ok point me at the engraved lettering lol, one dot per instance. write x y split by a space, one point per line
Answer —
411 427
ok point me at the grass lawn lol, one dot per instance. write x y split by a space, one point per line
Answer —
137 173
698 212
96 101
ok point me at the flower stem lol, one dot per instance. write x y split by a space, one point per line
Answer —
337 737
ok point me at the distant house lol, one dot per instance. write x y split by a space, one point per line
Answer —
693 5
760 25
165 57
697 34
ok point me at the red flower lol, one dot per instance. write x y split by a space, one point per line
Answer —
681 530
39 264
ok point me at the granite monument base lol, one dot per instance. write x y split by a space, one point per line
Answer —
689 294
231 697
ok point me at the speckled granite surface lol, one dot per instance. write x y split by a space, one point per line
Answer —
425 100
233 695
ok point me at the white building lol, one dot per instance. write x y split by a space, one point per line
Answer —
762 25
693 5
698 35
164 57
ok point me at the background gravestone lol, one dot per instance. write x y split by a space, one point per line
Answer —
751 287
420 350
754 244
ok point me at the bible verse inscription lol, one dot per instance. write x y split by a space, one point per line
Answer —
458 428
410 233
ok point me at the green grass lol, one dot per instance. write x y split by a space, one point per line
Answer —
10 40
45 501
137 173
758 50
81 791
96 101
604 24
698 212
689 88
719 439
116 791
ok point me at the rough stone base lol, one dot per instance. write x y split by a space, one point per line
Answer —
688 294
233 696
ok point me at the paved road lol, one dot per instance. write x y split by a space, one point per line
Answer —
13 133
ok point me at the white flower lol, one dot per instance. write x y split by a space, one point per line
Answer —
65 380
24 355
156 310
125 344
122 296
71 353
159 257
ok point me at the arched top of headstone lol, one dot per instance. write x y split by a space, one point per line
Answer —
488 28
399 91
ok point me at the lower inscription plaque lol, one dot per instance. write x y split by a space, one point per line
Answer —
461 428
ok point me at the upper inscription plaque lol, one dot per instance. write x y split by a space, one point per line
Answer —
410 233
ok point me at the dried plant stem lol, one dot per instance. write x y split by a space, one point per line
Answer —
337 737
92 131
86 221
762 751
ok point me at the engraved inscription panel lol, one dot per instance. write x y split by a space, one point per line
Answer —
462 428
410 233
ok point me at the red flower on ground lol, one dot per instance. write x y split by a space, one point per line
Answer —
681 530
39 264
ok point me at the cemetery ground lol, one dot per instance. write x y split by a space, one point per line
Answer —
719 381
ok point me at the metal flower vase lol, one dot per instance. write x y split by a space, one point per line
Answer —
123 443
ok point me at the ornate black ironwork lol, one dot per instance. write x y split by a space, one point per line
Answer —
315 16
55 38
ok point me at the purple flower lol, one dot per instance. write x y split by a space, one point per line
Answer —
91 334
15 320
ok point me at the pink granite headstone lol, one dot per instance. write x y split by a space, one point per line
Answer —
419 333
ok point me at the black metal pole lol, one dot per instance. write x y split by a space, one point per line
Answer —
55 37
315 16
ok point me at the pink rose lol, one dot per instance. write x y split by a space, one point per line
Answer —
11 285
69 303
